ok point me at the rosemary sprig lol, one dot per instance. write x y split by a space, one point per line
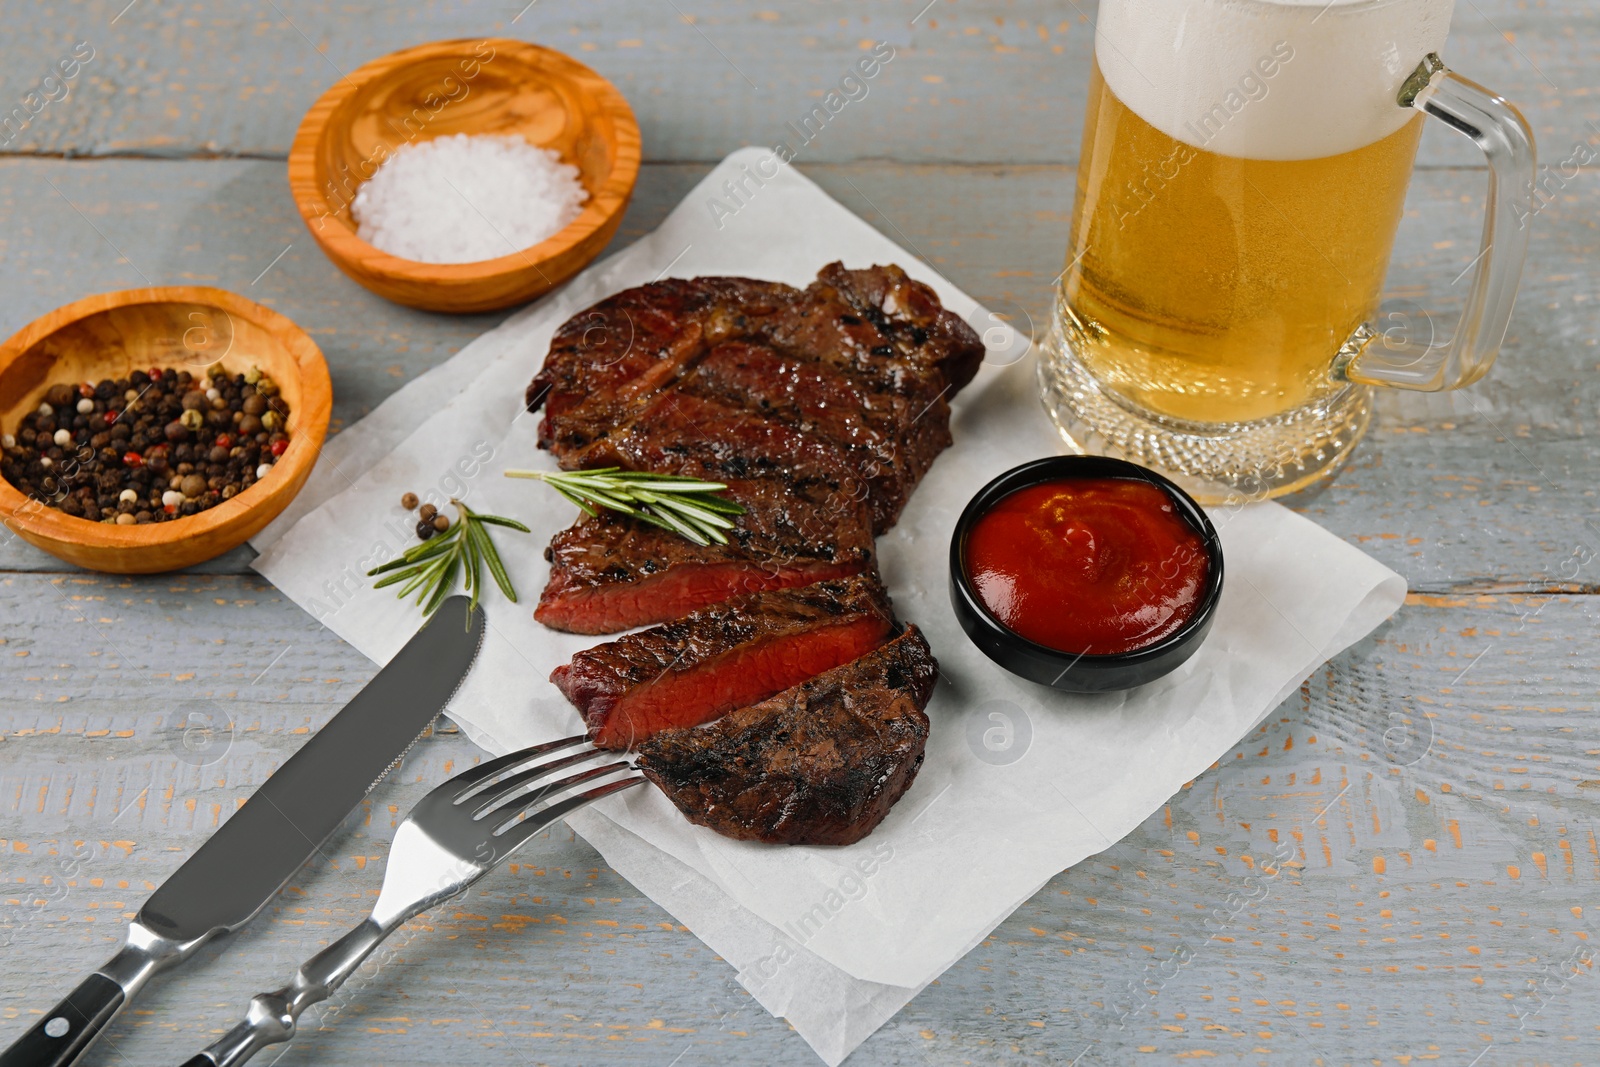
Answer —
686 506
429 569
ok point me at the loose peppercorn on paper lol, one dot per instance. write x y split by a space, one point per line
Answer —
1020 781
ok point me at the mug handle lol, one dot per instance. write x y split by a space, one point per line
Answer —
1495 126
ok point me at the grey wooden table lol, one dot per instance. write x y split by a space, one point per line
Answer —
1439 783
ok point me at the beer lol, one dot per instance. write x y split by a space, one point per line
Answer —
1212 288
1243 174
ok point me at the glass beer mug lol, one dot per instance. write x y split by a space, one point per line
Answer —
1243 173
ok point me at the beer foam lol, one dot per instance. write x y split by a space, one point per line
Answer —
1268 79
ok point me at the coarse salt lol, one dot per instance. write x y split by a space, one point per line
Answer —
462 199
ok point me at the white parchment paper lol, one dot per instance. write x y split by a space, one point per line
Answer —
1020 781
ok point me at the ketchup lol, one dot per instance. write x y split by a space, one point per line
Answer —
1088 565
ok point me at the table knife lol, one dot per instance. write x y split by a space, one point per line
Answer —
233 875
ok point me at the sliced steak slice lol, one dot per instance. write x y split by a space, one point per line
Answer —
709 662
891 441
819 764
612 572
677 431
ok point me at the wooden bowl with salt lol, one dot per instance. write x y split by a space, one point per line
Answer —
475 86
182 327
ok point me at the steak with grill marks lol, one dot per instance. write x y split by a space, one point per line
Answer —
668 373
818 764
882 325
637 341
612 572
709 662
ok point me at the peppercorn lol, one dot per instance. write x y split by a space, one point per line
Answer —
425 529
95 450
441 523
427 513
409 501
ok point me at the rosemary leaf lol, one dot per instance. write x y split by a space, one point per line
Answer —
497 520
442 589
677 525
692 509
474 568
496 568
688 507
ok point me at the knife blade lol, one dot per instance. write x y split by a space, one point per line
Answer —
233 875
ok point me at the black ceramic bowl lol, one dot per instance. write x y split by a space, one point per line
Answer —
1074 672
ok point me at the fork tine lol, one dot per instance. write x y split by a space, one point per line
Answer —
519 804
509 787
472 777
515 836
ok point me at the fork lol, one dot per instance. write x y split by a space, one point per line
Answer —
455 835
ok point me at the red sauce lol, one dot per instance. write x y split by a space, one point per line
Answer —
1089 565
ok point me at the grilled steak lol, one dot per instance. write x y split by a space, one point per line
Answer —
676 429
712 661
851 375
612 572
818 764
882 325
638 340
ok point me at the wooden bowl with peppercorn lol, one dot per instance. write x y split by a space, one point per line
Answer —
152 429
493 86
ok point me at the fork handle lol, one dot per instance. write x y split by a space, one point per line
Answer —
272 1017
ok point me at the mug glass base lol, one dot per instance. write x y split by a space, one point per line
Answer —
1215 463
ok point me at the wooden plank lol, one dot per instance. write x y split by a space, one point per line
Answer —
976 81
1474 489
1436 784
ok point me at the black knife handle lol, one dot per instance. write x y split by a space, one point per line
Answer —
61 1036
200 1059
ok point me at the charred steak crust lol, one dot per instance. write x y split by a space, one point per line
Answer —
611 572
819 764
637 340
686 370
709 662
